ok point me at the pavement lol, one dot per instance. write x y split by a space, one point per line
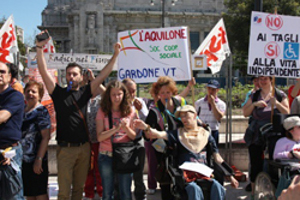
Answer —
231 193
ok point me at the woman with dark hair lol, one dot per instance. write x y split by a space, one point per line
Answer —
259 107
35 138
115 103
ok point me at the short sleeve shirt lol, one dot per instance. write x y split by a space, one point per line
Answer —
121 136
70 125
13 102
34 122
206 113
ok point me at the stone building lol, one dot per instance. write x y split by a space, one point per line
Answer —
91 26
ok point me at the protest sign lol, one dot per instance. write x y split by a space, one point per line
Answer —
214 48
61 60
147 54
274 45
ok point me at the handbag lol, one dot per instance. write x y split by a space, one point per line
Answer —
92 157
10 182
125 156
284 182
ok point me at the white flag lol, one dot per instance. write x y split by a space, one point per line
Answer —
49 47
8 42
215 47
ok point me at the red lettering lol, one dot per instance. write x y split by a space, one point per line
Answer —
183 34
212 46
5 44
222 35
209 56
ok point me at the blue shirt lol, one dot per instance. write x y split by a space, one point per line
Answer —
34 122
13 102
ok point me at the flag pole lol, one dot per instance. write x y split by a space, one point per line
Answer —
191 68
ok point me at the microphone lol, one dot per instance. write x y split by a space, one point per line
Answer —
69 86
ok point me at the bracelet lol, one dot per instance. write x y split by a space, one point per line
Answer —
39 158
148 128
40 47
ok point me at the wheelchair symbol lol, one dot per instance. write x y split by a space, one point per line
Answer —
289 52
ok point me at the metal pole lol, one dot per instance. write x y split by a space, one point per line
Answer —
230 110
227 113
163 14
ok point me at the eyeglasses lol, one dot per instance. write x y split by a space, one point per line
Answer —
2 72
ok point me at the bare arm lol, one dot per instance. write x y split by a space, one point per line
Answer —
125 125
187 89
296 89
151 133
41 62
4 116
105 71
282 106
217 113
37 167
103 135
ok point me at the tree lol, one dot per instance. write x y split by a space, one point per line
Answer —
237 20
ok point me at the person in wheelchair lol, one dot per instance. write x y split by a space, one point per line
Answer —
191 140
289 147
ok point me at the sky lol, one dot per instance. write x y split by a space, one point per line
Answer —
27 14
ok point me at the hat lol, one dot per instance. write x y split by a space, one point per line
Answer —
291 122
185 108
253 77
213 84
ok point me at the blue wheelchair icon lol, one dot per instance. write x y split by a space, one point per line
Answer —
291 51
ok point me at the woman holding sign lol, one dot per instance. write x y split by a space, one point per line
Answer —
259 106
191 141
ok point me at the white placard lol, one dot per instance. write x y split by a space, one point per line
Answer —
61 60
197 167
147 54
274 45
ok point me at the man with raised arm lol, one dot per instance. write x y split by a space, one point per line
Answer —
70 103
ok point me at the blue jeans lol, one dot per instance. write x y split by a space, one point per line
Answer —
195 192
17 159
215 134
108 176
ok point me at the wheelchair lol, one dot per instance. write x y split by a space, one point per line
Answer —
266 182
178 182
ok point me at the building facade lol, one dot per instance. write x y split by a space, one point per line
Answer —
91 26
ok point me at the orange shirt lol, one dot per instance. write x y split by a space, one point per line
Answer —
17 86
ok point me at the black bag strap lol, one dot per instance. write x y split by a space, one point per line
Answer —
257 93
109 115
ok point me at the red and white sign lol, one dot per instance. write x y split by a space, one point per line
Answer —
215 47
8 42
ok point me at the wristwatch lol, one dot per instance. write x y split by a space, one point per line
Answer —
147 129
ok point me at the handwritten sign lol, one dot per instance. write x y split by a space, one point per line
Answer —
274 45
61 60
147 54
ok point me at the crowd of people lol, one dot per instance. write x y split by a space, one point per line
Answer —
91 118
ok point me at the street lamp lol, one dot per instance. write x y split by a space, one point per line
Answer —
163 10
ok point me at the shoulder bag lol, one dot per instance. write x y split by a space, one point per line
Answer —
125 155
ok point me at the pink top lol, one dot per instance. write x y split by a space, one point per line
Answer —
120 136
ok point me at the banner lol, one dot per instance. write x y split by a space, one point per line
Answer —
274 45
215 47
147 54
61 60
8 42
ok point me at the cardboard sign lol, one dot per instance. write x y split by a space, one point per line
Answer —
147 54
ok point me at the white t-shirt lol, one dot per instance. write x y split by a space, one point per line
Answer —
206 113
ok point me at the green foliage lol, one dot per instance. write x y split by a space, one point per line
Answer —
237 22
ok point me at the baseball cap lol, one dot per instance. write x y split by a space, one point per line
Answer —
291 122
213 83
185 108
